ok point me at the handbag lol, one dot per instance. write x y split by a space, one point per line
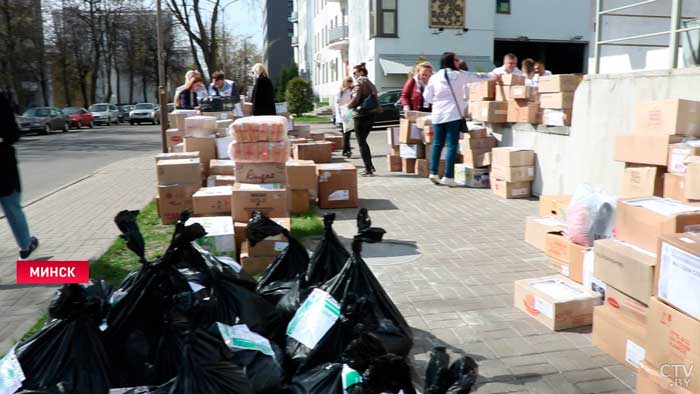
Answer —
463 127
369 103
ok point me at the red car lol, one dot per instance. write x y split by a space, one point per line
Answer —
78 117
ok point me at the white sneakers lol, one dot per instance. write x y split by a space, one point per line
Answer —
449 182
435 179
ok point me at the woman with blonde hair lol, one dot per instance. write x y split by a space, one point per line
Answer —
344 114
412 92
187 98
263 92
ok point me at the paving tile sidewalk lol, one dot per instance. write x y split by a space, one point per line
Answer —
75 223
459 292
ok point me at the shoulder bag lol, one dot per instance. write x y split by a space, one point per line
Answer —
463 123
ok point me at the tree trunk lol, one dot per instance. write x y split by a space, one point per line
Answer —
131 83
195 57
119 81
64 76
84 90
144 83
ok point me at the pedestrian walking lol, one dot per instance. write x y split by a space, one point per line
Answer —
344 114
188 98
365 105
263 92
10 186
413 89
445 91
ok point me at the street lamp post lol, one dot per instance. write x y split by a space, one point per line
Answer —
161 82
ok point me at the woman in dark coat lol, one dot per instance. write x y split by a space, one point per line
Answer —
263 93
187 98
10 187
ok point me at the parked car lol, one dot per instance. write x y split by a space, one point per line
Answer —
145 112
46 119
124 110
23 123
78 117
391 114
171 107
104 113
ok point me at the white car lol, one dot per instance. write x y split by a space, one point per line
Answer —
104 113
144 112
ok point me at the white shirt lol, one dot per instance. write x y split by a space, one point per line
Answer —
501 70
438 93
535 81
225 91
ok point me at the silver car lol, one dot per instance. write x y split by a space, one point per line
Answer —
104 113
144 112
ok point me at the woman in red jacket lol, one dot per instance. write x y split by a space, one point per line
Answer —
412 93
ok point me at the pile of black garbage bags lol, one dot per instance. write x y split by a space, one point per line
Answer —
193 323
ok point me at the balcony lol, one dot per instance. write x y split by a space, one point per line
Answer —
295 41
338 37
294 17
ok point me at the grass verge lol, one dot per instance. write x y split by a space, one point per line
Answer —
312 119
306 224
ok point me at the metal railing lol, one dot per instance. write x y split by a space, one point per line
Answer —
674 31
337 33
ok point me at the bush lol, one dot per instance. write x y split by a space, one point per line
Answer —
286 75
299 96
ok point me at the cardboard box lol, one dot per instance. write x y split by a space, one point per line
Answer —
692 178
642 221
318 152
478 143
510 189
650 380
177 156
483 90
502 93
261 173
476 133
674 340
627 305
219 240
567 256
222 167
317 135
416 151
554 205
513 174
644 149
476 158
537 228
174 137
559 83
264 249
557 117
412 116
555 301
674 187
394 163
173 199
522 92
522 111
624 339
424 121
255 265
643 181
408 165
625 267
557 100
337 186
422 168
472 177
302 130
301 175
512 79
222 147
668 117
206 146
512 157
212 201
270 199
179 171
220 180
409 133
393 134
677 155
300 201
489 111
270 243
336 140
678 272
396 150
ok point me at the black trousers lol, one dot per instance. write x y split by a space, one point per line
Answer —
346 141
363 125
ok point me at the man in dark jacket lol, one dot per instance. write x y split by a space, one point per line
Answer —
10 188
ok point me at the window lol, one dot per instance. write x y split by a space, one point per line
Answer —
503 6
383 18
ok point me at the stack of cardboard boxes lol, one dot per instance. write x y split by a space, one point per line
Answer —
411 145
475 157
556 96
302 183
482 106
512 172
522 101
179 176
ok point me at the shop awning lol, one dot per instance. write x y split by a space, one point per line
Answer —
403 64
395 67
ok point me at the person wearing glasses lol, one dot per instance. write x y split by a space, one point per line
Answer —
263 92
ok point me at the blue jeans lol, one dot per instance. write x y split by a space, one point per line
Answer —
12 206
445 132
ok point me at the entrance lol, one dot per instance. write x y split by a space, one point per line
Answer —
559 57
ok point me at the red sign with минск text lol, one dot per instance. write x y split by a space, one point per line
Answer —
52 272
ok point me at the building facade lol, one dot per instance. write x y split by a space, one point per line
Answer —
277 35
390 36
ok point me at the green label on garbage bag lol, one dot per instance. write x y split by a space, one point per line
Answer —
11 374
350 378
239 337
314 318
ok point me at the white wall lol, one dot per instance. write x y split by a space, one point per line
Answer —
547 20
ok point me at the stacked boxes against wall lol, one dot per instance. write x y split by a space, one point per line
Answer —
483 104
522 101
179 176
260 149
556 96
512 172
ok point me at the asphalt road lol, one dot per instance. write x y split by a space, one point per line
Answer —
49 162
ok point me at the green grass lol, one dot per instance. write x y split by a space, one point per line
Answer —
312 119
306 224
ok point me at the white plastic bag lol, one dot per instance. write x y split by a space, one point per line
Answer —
590 215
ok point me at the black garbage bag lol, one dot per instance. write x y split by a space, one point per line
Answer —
329 257
362 350
388 374
326 379
437 377
67 354
463 374
290 302
279 277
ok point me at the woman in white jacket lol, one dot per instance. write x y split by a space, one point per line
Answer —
343 115
448 112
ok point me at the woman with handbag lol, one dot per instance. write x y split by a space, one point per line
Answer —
365 105
445 91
